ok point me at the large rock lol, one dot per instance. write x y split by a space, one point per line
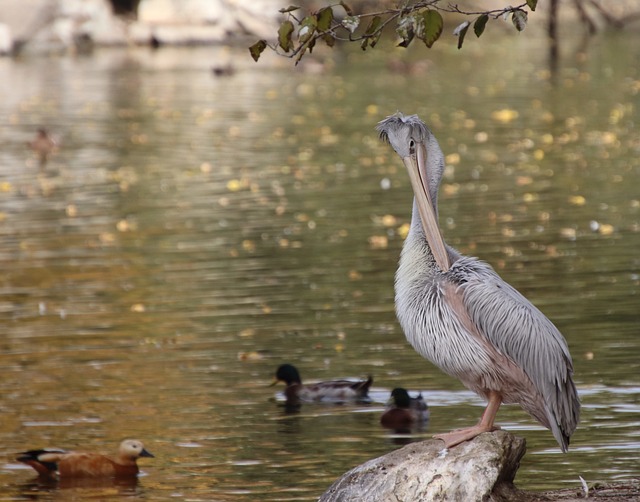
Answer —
482 470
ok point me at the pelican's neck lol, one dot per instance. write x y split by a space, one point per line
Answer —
416 230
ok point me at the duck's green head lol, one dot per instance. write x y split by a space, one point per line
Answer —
288 374
400 397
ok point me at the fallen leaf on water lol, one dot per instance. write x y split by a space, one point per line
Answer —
606 229
138 307
378 241
71 210
234 185
250 356
453 159
354 275
505 115
248 245
107 238
403 230
450 188
577 200
247 332
388 220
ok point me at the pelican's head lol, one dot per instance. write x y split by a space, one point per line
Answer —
417 146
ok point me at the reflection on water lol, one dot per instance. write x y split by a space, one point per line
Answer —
194 232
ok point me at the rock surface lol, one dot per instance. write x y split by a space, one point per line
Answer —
479 470
482 469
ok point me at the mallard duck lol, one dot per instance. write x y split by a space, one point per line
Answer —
43 145
404 411
329 391
51 463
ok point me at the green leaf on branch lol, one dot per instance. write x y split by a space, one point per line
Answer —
328 39
371 37
519 19
284 36
532 4
324 17
291 8
460 32
433 24
307 29
478 26
373 25
257 49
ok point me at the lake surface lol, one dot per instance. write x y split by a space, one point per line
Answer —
193 232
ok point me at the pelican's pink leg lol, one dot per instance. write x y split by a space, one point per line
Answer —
458 436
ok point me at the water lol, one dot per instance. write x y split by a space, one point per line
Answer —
194 232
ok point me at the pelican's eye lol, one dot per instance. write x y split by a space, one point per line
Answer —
412 147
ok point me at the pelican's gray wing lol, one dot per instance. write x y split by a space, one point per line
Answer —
514 326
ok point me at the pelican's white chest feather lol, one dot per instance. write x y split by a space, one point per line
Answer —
431 323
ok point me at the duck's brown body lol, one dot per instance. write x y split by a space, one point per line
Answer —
405 412
72 464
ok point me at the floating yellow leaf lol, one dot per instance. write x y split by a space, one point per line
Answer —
107 238
450 188
5 186
234 185
505 115
372 110
481 137
453 159
71 210
250 356
403 231
354 275
248 245
388 220
248 332
568 233
606 229
577 200
138 307
378 241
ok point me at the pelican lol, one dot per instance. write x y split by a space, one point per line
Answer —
459 314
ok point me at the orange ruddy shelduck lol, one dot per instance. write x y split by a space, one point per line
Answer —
51 463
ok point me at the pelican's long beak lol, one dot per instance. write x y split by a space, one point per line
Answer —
417 166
